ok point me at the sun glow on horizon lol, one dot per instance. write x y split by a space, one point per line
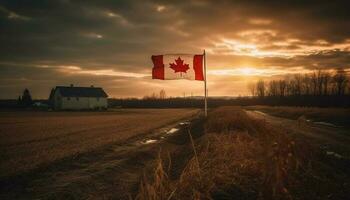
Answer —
251 71
243 71
247 71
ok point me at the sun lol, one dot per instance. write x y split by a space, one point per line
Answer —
246 71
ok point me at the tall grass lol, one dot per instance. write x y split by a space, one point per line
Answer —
160 188
238 157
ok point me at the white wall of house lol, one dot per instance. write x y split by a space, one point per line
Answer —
78 103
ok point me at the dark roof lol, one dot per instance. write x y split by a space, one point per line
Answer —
81 91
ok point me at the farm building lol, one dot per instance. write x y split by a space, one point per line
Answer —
78 98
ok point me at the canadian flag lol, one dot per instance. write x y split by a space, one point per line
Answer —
169 67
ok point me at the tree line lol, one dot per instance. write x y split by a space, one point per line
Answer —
161 95
320 88
317 83
25 100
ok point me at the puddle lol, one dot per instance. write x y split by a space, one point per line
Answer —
326 124
172 130
259 112
331 153
149 141
161 135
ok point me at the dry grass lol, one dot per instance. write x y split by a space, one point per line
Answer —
238 158
30 139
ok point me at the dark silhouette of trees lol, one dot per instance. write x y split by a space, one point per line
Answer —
319 88
282 84
314 83
306 85
260 88
26 99
273 88
19 101
326 80
340 80
162 94
252 88
318 83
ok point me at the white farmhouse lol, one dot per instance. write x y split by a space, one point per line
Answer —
78 98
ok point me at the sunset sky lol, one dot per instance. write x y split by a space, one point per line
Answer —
109 43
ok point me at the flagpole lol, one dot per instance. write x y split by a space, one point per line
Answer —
205 85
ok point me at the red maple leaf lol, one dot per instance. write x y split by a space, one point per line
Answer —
179 66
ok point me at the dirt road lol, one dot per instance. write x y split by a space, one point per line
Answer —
333 140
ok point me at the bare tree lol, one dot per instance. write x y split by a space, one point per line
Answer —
298 84
326 80
251 87
317 83
292 87
319 80
260 88
340 81
306 85
154 96
282 87
26 98
314 83
151 97
273 88
162 94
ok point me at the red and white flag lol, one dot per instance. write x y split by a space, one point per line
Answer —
169 67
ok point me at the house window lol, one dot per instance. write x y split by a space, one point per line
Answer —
68 98
77 98
98 99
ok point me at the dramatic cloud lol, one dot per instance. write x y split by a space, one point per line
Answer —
109 43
